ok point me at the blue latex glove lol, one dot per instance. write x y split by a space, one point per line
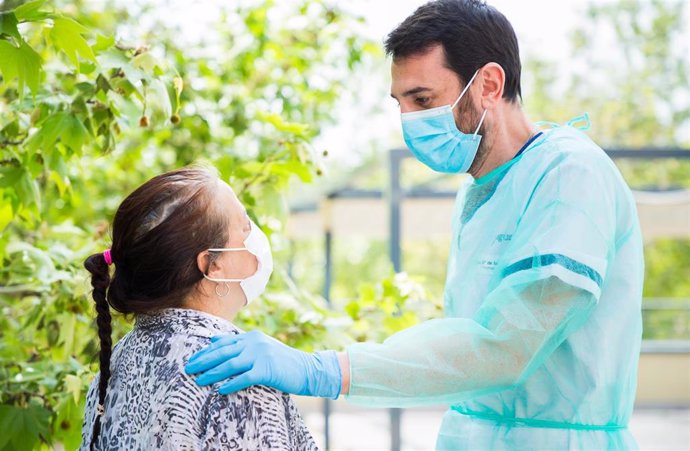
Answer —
254 358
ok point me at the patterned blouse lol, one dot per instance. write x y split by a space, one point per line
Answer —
151 403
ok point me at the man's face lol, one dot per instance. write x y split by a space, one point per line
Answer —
423 81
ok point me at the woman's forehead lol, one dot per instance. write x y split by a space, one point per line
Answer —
227 197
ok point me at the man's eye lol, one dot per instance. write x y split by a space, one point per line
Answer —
422 101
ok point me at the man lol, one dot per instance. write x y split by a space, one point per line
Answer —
540 343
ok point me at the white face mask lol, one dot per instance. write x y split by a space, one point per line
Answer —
256 243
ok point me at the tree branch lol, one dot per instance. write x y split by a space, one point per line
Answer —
7 142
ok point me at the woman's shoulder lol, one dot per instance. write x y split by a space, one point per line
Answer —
148 381
159 345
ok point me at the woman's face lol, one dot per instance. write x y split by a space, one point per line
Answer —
235 264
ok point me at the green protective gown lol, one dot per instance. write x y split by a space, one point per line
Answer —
540 345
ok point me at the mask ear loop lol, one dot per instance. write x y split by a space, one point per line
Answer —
467 86
480 122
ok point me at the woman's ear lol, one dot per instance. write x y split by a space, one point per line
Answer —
202 262
209 264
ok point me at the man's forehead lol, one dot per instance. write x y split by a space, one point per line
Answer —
431 58
420 72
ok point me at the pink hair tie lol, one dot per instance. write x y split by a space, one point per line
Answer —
108 258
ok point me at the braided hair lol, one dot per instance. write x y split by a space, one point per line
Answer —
100 279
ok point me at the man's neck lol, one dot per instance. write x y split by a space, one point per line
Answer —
508 134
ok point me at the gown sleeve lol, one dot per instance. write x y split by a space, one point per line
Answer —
546 285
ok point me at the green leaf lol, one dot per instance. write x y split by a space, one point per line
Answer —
10 130
113 58
6 214
67 35
174 91
22 427
30 11
42 267
27 190
145 61
102 83
352 309
86 88
22 63
103 43
68 324
86 67
67 429
126 88
291 167
8 25
63 126
280 124
58 172
75 134
7 420
158 101
73 385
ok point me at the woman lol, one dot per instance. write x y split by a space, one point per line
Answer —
186 258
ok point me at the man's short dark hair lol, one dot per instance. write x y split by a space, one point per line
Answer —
472 34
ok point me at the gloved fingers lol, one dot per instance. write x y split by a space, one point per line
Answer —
221 340
228 369
210 359
228 338
240 382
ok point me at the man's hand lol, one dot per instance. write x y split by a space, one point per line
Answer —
254 358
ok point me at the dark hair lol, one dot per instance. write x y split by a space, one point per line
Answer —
471 33
158 231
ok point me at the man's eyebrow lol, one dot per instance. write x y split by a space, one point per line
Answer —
413 91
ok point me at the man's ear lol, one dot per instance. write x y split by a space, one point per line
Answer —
492 79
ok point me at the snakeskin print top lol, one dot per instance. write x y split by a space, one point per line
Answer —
151 403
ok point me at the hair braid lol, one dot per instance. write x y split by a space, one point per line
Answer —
100 280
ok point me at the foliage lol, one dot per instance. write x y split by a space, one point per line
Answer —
87 113
389 306
639 104
668 278
635 105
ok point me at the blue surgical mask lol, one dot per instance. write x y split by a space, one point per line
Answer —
435 140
